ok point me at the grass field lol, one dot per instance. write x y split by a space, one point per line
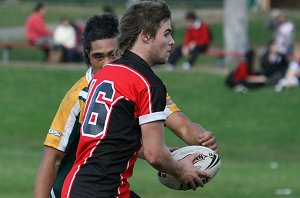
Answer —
253 130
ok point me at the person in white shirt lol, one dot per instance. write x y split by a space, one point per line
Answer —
292 76
284 34
65 36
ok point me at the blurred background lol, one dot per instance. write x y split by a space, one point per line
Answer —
257 128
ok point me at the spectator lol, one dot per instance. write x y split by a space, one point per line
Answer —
272 22
243 77
283 31
36 30
64 36
273 63
197 40
79 28
292 76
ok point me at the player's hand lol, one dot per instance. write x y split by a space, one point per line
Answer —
191 177
209 140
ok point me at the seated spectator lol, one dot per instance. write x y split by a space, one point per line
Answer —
197 40
272 23
64 36
292 76
283 31
284 34
36 30
243 77
79 27
273 64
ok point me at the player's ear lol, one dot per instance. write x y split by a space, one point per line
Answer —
145 36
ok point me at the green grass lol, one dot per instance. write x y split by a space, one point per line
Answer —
16 14
252 129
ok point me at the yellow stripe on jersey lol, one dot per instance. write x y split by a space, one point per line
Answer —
171 107
63 122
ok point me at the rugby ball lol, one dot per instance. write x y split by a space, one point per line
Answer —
208 161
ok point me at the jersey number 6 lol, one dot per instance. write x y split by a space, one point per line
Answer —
97 110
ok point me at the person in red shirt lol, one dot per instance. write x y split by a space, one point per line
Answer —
36 30
197 40
243 77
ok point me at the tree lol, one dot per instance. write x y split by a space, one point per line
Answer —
235 26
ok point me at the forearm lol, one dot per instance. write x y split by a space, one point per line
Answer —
164 162
155 151
184 128
192 133
44 181
47 172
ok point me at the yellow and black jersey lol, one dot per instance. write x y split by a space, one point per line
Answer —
68 115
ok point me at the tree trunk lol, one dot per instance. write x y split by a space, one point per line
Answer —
235 27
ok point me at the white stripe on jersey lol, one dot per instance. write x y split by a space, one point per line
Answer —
69 126
89 74
152 117
52 193
83 94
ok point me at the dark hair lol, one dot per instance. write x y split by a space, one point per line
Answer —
191 16
98 27
38 7
145 16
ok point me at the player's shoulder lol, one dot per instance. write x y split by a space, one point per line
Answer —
79 85
75 90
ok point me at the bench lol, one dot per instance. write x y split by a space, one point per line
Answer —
222 54
7 46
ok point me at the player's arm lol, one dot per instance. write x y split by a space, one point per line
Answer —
158 155
142 156
54 148
47 172
190 132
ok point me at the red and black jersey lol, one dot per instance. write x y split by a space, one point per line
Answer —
122 96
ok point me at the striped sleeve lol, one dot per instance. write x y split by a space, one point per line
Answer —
66 116
171 107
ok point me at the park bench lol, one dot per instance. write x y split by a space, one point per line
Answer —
7 46
222 54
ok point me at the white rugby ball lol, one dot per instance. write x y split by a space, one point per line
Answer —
208 161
